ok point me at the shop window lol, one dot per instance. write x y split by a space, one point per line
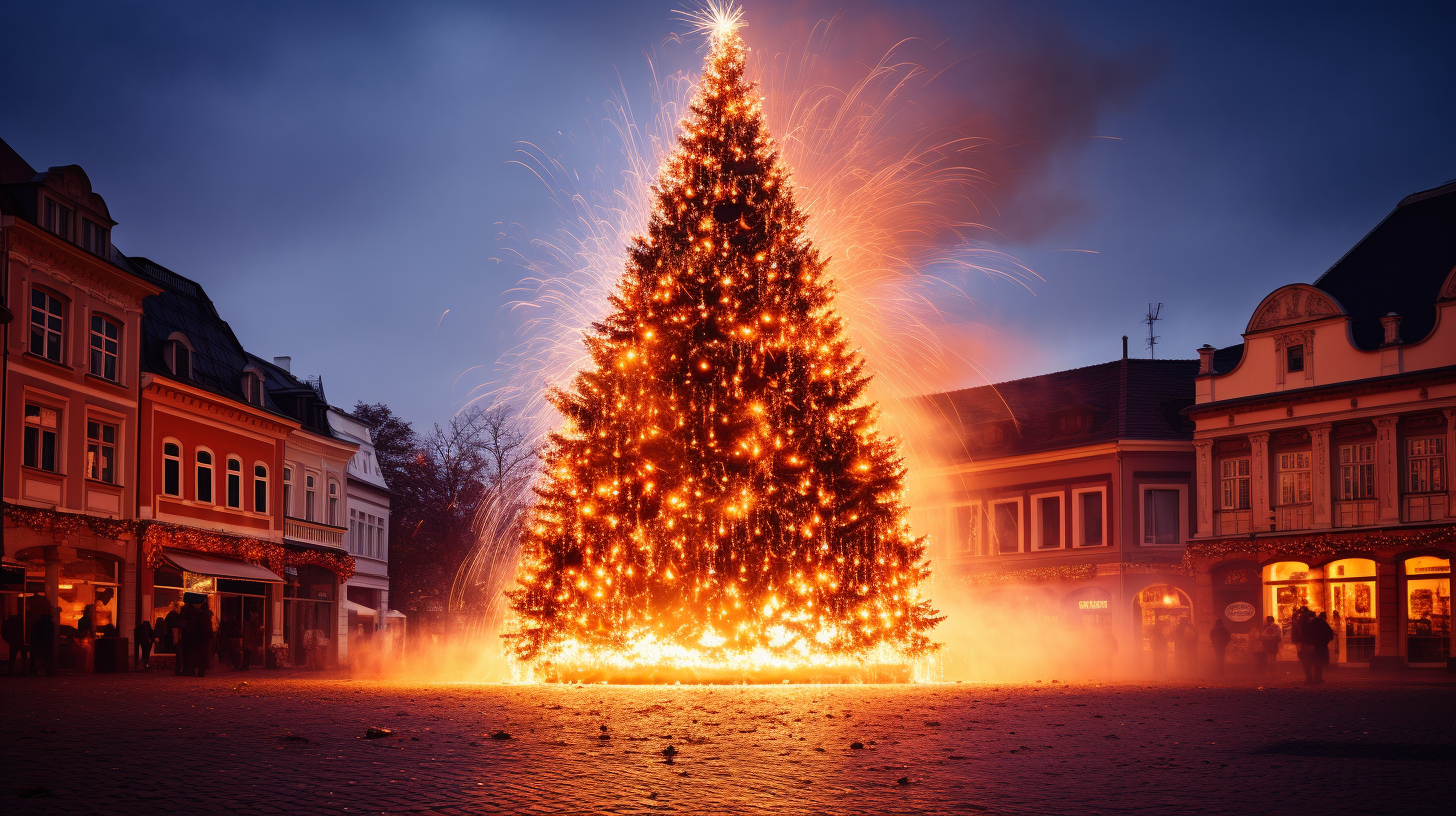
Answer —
1088 508
171 469
1428 609
1006 525
1294 477
1289 585
58 218
204 476
87 595
1357 471
101 451
1426 464
105 344
1294 358
1351 606
1047 521
260 489
47 325
94 237
42 436
1234 483
235 483
1162 515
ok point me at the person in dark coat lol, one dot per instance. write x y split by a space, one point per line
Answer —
1220 638
1318 634
1298 635
197 639
13 633
144 636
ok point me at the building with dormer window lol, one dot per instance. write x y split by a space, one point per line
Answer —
1324 448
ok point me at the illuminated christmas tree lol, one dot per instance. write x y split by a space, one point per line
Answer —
719 494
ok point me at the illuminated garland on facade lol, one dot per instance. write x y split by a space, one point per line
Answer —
1068 572
154 535
1320 545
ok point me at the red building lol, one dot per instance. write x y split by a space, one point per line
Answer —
71 391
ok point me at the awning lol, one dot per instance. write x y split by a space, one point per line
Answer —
395 613
350 606
219 567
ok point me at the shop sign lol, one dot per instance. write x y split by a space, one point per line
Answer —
1239 611
1436 568
193 582
1095 603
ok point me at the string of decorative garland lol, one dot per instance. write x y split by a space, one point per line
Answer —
1321 545
61 524
1070 572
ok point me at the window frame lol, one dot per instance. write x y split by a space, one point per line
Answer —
1289 358
45 328
174 341
51 209
114 354
310 491
287 490
33 453
1436 478
1143 514
1020 526
174 459
1294 471
333 502
260 482
1079 523
1037 533
1364 467
197 468
1246 496
93 472
232 497
92 229
252 386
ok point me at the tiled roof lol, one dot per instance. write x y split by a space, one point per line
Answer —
1399 267
1124 399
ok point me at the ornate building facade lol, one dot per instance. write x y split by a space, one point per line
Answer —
1324 444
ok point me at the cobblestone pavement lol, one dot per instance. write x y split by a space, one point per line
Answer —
292 742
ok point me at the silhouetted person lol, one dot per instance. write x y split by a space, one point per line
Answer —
197 639
1220 638
1318 634
13 633
43 644
144 636
83 626
1269 639
1299 636
1158 641
172 625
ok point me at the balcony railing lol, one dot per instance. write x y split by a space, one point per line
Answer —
1427 507
1355 513
1234 522
1292 517
312 532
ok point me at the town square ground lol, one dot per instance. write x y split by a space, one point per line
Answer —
294 742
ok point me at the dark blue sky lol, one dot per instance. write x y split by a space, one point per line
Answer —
336 175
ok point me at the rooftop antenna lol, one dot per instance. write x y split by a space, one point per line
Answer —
1151 318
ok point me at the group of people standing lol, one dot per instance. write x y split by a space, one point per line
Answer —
1309 632
1311 635
37 647
186 630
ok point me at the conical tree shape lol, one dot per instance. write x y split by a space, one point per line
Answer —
719 491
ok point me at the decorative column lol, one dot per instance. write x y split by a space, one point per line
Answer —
1387 482
1203 461
1262 517
1319 439
1450 455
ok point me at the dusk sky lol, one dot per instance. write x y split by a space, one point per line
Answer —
337 176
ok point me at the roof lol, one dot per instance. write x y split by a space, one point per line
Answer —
1399 267
13 168
1123 399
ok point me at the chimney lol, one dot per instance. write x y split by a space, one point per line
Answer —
285 363
1391 322
1205 359
1124 347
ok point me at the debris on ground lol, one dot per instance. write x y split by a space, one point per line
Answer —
374 732
500 735
855 746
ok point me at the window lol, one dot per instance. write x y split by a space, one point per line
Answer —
1426 463
47 321
1294 358
1087 506
260 489
252 388
1357 471
379 539
1047 521
57 219
101 451
204 476
333 502
308 494
93 237
369 544
353 531
1161 517
1006 524
104 345
171 469
1294 481
42 426
234 483
179 359
1235 483
287 491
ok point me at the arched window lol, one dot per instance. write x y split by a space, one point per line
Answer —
171 468
235 483
288 491
204 476
260 488
178 355
308 500
105 347
252 388
333 503
47 325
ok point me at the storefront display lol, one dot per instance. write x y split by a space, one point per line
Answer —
1351 585
1428 609
308 615
1289 585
